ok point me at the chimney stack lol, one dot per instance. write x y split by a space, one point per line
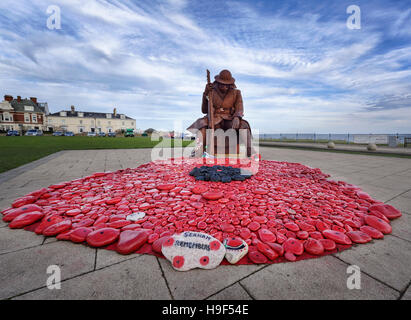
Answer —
8 98
18 99
34 99
115 112
72 109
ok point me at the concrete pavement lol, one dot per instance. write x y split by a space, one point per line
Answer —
89 273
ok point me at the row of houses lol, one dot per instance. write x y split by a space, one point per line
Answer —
26 114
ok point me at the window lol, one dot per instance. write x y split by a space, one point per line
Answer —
109 122
123 123
81 121
50 120
122 116
63 114
26 117
132 123
81 114
34 117
63 120
108 115
7 117
28 108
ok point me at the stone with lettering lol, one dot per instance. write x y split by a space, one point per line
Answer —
189 250
236 248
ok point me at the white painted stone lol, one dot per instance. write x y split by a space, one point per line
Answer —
189 250
136 216
236 249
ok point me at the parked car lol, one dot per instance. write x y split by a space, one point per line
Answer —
69 134
91 134
12 133
34 132
111 134
58 133
102 134
129 133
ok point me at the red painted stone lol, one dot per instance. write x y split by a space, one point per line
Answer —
302 235
114 200
46 222
25 219
102 237
378 224
281 238
73 212
254 226
294 246
359 236
277 248
266 235
257 257
57 228
290 256
23 201
313 246
267 251
199 189
292 226
153 237
245 233
372 232
387 210
337 236
226 227
86 222
118 224
80 234
328 244
212 195
156 246
64 235
165 187
14 212
131 240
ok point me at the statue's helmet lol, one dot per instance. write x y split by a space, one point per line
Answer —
225 77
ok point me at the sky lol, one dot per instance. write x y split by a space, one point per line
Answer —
300 68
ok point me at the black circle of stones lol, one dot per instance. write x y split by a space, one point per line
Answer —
219 174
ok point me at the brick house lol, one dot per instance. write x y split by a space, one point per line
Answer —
22 114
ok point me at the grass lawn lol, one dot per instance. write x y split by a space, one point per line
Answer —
16 151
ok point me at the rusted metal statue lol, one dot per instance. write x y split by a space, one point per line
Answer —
223 104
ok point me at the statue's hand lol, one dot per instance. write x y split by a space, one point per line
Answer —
208 88
236 123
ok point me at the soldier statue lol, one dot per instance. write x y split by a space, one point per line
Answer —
226 109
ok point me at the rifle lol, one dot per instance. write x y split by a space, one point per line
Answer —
210 147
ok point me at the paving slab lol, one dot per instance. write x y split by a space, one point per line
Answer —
401 203
109 257
199 283
26 270
407 294
387 260
234 292
23 272
138 279
401 227
324 278
17 239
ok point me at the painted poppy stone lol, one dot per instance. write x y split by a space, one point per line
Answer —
189 250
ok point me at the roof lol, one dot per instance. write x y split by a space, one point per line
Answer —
101 115
19 106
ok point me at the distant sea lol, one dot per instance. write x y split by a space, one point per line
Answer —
348 137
